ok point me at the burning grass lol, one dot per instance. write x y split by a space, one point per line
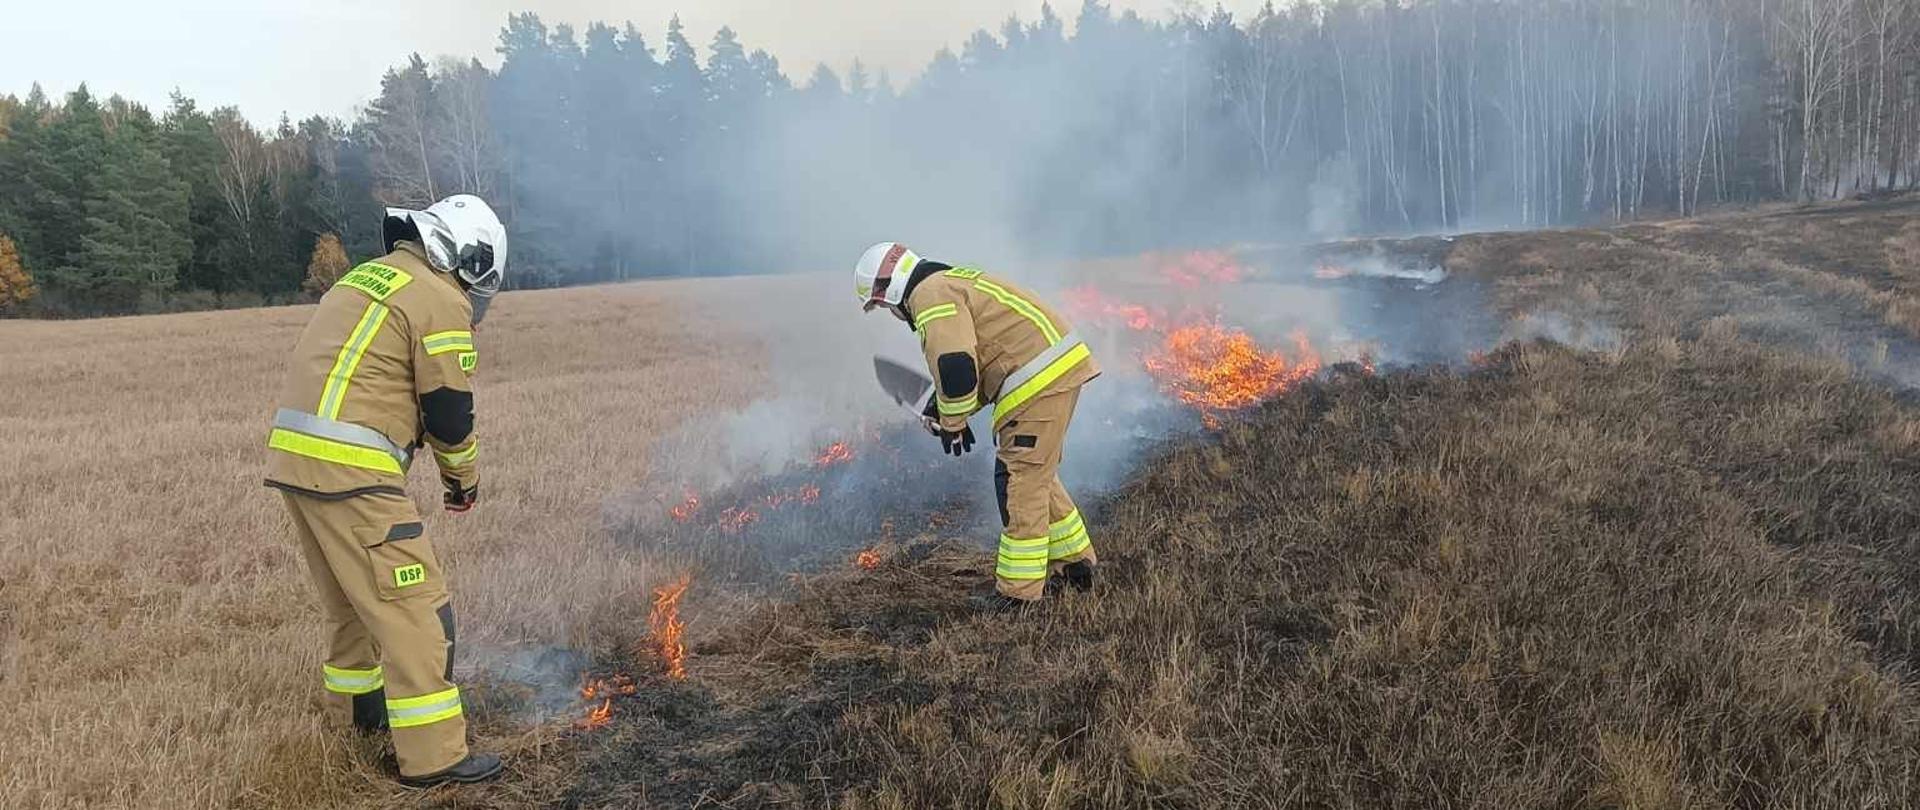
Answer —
1676 573
1217 369
1565 579
666 630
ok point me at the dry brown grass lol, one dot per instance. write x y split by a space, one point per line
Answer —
158 642
1675 576
1851 265
1676 573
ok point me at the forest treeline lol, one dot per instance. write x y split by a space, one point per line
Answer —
613 157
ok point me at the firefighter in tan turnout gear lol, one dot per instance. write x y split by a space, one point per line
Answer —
381 370
990 343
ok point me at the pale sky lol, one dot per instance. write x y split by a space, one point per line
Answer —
274 56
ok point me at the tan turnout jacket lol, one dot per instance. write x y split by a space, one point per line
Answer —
1022 350
350 418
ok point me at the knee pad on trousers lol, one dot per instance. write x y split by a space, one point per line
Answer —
445 612
1000 476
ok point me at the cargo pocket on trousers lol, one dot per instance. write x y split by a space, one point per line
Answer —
1019 442
402 561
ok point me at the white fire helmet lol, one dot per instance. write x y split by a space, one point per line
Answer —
880 279
462 236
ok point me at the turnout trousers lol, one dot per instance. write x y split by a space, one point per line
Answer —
1043 531
390 652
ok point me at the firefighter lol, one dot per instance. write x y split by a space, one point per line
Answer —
990 343
382 369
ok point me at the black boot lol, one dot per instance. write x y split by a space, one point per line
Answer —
370 711
999 603
1079 575
475 768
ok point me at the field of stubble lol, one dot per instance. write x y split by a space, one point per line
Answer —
158 641
1674 566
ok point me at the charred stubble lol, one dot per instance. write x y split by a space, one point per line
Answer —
1662 578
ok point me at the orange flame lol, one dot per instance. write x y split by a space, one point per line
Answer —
868 560
597 717
687 509
1217 369
665 626
836 453
603 690
601 687
1328 272
1088 302
806 495
1202 266
737 518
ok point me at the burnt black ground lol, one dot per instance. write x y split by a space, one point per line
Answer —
1681 572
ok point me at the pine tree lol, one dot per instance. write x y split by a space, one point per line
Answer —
329 262
193 150
859 83
404 132
16 284
729 74
136 231
60 163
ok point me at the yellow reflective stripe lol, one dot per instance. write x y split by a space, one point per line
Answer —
1010 570
314 447
422 710
352 681
1027 390
349 359
959 407
377 280
934 313
964 272
1066 525
458 457
1022 558
1070 545
1020 305
1016 547
451 341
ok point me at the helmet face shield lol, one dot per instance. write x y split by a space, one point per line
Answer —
478 267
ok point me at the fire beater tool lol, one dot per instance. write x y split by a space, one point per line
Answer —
909 387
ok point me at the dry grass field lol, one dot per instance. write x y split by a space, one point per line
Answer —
158 642
1679 571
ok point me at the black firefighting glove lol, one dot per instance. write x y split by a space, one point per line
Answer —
457 498
958 444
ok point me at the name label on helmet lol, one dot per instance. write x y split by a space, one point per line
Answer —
376 280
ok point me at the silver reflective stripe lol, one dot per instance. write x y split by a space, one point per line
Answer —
344 432
400 717
368 680
1038 364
